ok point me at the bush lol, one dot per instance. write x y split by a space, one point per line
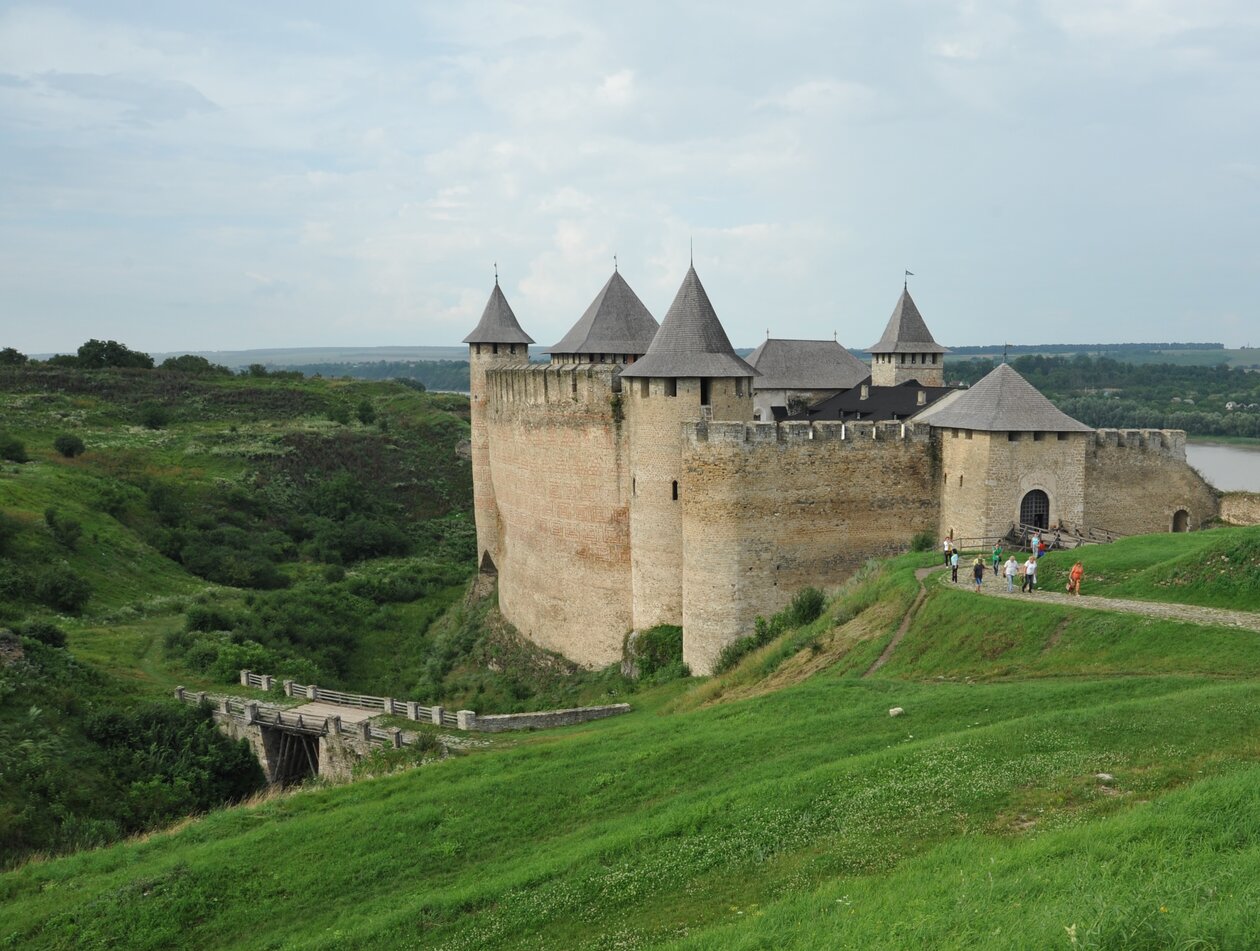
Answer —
202 618
340 414
45 632
69 445
154 415
100 354
366 413
656 649
11 449
60 587
12 358
923 541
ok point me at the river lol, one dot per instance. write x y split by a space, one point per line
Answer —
1228 467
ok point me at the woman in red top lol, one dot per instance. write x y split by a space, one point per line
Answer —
1074 578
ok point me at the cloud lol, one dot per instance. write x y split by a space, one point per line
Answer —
143 100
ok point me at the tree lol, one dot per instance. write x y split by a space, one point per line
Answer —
68 445
366 413
103 354
190 363
154 415
11 358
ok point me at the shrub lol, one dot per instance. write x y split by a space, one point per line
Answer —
656 649
45 632
11 449
12 358
340 414
923 541
204 618
805 608
154 415
69 445
366 413
60 587
334 573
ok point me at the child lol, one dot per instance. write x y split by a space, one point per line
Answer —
1074 579
977 571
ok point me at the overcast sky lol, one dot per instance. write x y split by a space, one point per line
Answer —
239 174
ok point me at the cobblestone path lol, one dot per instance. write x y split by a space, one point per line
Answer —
996 588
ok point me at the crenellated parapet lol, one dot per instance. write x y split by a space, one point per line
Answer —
1171 442
536 384
855 435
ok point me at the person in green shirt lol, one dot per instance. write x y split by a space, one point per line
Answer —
997 559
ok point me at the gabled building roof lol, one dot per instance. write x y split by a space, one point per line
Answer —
1005 402
691 341
616 322
867 402
906 332
498 323
806 365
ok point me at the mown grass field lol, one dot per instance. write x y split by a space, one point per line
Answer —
1060 778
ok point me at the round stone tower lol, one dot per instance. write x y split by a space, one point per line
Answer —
907 351
689 373
496 341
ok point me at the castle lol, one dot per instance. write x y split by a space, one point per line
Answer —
628 482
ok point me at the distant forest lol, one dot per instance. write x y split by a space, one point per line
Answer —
451 375
1101 391
1083 347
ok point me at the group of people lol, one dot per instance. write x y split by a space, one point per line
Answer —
1026 572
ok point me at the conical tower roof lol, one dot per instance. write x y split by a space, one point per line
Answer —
1004 402
616 322
906 332
691 341
498 323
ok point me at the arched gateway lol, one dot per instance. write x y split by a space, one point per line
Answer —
1035 509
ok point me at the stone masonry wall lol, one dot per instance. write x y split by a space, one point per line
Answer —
1135 480
769 509
985 477
558 459
1241 508
655 423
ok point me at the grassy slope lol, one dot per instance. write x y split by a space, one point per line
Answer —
1218 568
221 427
800 818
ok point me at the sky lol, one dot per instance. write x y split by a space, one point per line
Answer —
234 175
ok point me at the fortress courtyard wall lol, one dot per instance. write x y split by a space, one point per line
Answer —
558 458
770 508
1136 480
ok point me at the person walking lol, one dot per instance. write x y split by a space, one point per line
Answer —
1011 570
953 566
948 546
1074 579
1030 575
997 558
977 571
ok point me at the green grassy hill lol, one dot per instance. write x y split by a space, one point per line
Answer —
1060 778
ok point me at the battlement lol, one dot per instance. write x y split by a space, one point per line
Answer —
1168 441
856 434
555 383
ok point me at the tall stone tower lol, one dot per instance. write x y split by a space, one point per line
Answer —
690 372
907 351
497 340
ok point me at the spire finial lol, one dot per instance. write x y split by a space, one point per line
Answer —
691 253
905 282
1006 349
835 336
767 333
614 262
496 273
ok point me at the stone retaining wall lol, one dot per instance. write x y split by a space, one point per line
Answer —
1241 508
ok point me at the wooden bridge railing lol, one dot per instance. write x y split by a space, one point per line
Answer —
438 716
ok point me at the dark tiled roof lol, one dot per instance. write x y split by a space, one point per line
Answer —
881 402
1005 402
498 323
906 332
806 365
616 322
691 341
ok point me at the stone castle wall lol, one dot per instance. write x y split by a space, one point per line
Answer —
1241 508
1137 479
558 460
655 421
769 509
